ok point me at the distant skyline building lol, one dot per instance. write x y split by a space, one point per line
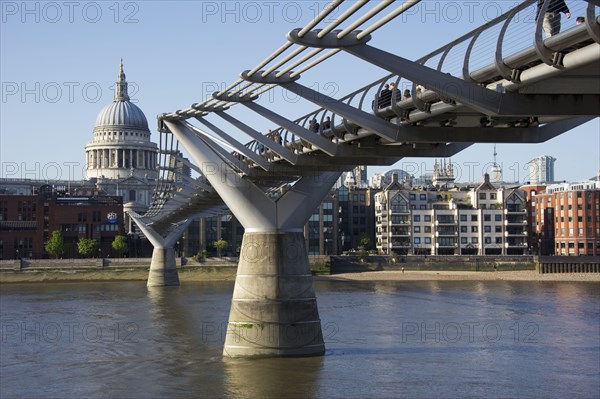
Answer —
357 177
541 170
443 174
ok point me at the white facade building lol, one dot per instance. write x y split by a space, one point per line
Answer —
482 221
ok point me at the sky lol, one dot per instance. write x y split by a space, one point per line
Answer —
59 62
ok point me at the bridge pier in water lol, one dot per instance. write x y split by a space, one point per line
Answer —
274 308
163 266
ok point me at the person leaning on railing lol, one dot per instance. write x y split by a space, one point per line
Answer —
551 23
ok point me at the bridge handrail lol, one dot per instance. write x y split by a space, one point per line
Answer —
526 56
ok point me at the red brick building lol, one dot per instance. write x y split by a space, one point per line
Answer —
567 219
26 222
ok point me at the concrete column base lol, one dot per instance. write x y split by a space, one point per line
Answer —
274 308
163 269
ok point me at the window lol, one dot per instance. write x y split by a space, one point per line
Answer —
412 197
463 218
498 229
417 229
474 229
475 240
417 240
427 218
463 229
423 197
493 196
487 229
417 218
463 240
487 218
399 204
427 229
498 240
427 240
487 240
498 217
482 196
474 218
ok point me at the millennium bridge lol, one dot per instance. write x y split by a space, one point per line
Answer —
503 82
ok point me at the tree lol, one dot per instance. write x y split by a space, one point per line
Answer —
87 247
364 241
56 244
201 256
119 244
220 245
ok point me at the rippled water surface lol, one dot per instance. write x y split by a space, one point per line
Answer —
384 340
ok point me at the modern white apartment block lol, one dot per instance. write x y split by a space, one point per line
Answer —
484 220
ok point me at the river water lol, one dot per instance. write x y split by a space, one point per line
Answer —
444 339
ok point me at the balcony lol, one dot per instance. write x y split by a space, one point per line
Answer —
446 234
516 245
515 233
401 233
514 222
446 245
515 211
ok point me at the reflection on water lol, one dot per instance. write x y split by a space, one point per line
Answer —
272 378
384 339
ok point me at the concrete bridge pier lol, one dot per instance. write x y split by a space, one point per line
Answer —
163 267
274 309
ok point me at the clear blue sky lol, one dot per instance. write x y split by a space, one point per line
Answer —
59 62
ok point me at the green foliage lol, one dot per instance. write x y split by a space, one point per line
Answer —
201 255
87 247
119 244
320 269
364 242
394 257
220 245
56 244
